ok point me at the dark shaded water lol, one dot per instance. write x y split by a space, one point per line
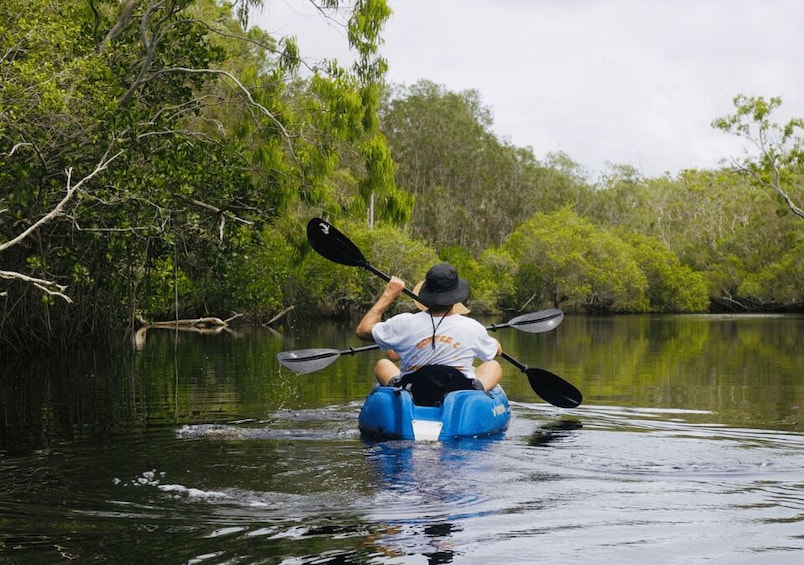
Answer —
201 449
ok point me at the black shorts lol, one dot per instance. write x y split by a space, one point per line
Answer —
430 384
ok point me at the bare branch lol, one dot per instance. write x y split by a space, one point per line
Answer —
223 214
126 10
239 85
132 230
50 287
260 44
17 146
265 111
57 210
212 208
775 185
150 41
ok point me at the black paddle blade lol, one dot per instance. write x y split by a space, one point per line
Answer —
333 245
553 389
550 387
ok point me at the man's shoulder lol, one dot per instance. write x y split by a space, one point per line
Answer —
466 321
400 319
403 316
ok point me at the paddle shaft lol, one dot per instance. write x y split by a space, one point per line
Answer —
521 366
350 351
387 278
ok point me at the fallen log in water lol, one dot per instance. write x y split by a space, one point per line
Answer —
205 323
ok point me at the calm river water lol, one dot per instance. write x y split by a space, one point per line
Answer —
688 448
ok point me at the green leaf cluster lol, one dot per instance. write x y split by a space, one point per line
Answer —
564 259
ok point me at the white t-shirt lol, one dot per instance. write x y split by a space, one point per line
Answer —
458 341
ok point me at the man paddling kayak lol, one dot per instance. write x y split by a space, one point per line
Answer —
439 343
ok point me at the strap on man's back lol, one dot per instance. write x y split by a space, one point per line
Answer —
431 383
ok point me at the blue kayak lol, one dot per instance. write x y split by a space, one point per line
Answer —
390 413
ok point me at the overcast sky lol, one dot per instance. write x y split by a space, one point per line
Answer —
632 82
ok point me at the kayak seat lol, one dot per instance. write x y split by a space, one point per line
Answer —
429 385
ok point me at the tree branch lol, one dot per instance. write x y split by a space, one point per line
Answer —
50 287
57 210
240 86
17 146
126 9
775 185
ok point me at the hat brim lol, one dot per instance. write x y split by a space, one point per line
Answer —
457 308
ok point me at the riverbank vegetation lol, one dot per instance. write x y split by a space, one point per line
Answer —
159 160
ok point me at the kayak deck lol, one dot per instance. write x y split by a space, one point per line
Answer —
390 413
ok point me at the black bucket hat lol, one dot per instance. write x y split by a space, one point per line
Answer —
443 287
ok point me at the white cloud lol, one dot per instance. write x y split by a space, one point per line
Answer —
633 82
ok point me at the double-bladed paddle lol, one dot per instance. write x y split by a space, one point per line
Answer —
331 244
310 360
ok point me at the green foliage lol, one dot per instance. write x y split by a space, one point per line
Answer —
391 203
167 286
779 283
364 27
566 261
501 270
720 224
257 279
672 287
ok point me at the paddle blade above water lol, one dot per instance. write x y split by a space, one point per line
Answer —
534 322
311 360
305 361
331 244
